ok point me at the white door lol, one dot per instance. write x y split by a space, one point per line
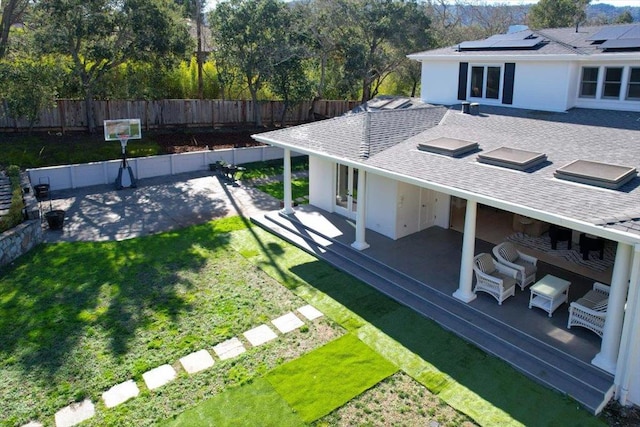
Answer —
427 208
346 191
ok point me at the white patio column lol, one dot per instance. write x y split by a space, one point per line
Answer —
360 243
630 341
288 209
608 355
464 292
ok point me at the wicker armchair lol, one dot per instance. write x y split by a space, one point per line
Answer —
496 279
590 311
507 254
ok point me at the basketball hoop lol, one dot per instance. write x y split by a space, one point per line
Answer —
123 130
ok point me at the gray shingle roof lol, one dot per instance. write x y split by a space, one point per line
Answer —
360 135
598 135
558 41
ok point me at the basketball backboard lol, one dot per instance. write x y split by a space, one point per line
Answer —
117 130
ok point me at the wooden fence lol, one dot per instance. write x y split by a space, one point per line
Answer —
70 115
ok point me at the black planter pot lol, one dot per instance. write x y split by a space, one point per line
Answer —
55 219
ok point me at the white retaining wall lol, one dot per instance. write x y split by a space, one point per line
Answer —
87 174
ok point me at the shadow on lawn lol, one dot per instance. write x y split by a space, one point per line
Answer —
59 299
488 377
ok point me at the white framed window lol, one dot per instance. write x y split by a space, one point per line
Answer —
485 81
612 82
633 87
589 82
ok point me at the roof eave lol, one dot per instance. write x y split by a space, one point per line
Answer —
600 57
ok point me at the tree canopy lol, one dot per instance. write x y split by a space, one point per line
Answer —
99 35
557 13
262 49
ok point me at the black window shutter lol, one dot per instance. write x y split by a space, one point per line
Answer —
462 81
509 75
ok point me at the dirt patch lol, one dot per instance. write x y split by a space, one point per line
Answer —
621 416
186 141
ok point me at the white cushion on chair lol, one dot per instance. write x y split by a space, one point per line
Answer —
485 264
509 252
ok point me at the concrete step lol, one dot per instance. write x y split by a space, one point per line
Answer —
585 383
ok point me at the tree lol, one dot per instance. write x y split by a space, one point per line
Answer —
251 38
557 13
99 35
373 38
194 10
12 13
28 86
624 18
317 18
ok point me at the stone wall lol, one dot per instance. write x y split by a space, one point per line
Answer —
19 240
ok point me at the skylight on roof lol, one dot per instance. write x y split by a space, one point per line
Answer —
597 174
448 146
512 158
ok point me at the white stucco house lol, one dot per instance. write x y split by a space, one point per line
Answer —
542 124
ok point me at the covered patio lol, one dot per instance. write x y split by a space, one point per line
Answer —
422 271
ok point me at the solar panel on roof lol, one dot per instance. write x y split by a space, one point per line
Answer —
477 44
633 33
520 35
516 43
378 103
524 40
395 104
610 33
621 44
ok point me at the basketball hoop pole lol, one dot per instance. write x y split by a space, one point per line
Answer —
123 143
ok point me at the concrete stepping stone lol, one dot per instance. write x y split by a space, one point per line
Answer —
310 312
260 335
229 349
120 393
75 413
287 323
32 424
159 376
197 361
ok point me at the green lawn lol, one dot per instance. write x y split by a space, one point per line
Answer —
314 387
78 318
299 189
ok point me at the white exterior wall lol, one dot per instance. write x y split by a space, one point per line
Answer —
88 174
381 200
537 85
634 375
439 84
542 86
394 208
408 209
321 183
